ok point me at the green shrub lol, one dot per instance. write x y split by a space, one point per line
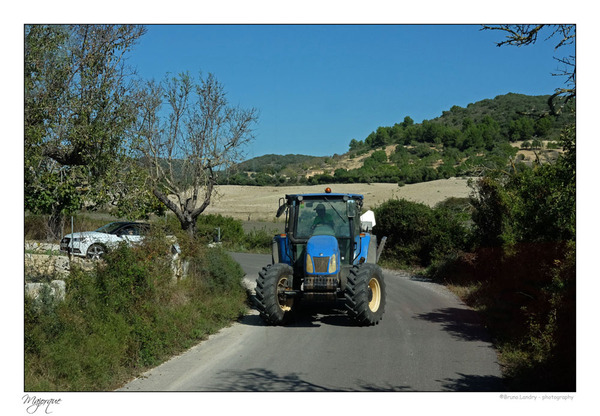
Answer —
216 271
523 270
418 234
493 213
259 240
127 314
231 229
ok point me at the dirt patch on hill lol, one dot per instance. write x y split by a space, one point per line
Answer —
259 203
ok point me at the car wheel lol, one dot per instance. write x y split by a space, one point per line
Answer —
95 251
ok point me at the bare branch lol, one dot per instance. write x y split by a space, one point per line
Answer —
521 35
517 35
200 136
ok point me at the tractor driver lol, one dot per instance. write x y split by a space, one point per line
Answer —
322 217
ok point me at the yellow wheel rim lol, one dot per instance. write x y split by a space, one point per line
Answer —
375 295
284 302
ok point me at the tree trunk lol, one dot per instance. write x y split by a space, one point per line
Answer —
186 219
189 227
56 223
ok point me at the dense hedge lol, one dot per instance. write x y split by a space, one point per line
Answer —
418 234
521 270
511 249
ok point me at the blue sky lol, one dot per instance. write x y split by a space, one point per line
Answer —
319 86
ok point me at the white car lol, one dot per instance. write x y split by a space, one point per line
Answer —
93 244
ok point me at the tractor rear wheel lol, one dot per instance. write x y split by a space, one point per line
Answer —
365 294
272 303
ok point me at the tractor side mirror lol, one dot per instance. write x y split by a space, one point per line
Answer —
351 208
280 210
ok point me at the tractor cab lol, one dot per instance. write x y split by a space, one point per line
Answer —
328 220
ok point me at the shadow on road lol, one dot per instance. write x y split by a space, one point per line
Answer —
473 383
306 318
460 323
260 379
263 380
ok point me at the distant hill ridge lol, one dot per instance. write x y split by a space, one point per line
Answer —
461 141
503 109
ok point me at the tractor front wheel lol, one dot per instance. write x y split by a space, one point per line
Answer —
365 294
272 303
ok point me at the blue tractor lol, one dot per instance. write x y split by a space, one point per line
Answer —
325 255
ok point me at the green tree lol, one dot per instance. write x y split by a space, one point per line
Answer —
541 220
382 137
379 157
542 126
473 137
78 111
521 129
407 122
355 144
490 132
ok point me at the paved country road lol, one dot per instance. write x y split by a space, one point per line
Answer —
427 341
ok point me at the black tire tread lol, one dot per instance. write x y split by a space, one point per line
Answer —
266 293
357 294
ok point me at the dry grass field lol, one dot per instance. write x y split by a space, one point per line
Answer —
259 203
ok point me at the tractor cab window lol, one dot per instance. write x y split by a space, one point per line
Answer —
322 217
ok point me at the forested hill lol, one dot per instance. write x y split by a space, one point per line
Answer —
505 109
462 141
272 164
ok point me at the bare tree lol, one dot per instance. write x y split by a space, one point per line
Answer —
186 145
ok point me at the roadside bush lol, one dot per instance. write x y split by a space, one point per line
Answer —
127 314
493 213
462 207
522 270
233 236
259 240
216 271
36 227
232 231
418 234
526 297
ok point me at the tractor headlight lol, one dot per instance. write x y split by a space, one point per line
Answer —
332 264
309 264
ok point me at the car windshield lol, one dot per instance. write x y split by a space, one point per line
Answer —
109 228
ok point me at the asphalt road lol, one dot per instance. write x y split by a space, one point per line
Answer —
427 341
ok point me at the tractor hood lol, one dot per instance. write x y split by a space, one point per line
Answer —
322 255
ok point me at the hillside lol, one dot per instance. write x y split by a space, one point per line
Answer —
490 134
506 109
